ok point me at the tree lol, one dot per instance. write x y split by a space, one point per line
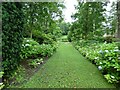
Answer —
64 27
111 19
40 19
89 19
118 29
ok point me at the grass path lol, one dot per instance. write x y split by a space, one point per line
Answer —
68 69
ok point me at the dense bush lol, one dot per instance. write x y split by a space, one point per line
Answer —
43 38
12 36
104 56
32 49
110 63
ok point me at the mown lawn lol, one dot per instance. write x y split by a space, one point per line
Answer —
67 69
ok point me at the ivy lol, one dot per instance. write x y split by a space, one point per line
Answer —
12 36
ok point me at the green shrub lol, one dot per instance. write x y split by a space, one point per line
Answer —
49 39
43 38
110 64
105 56
12 36
32 49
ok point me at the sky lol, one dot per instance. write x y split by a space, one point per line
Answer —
70 9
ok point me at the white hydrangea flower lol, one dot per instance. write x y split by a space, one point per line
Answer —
1 84
27 40
112 77
118 58
100 51
106 51
38 63
96 58
100 67
27 45
116 50
23 45
100 62
116 47
105 42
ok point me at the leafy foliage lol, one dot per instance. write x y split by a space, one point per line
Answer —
34 21
64 27
40 19
88 20
67 69
111 20
105 56
32 49
12 35
36 62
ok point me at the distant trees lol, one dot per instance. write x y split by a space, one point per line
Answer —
89 19
118 15
111 27
92 21
118 28
41 19
64 27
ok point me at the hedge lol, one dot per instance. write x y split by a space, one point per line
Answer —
12 36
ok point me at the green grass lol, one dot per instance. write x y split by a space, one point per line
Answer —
68 69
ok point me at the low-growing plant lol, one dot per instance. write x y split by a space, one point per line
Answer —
34 63
18 76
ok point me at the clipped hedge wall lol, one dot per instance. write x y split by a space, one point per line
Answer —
12 36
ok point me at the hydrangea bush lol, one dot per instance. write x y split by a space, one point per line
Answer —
32 49
105 56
